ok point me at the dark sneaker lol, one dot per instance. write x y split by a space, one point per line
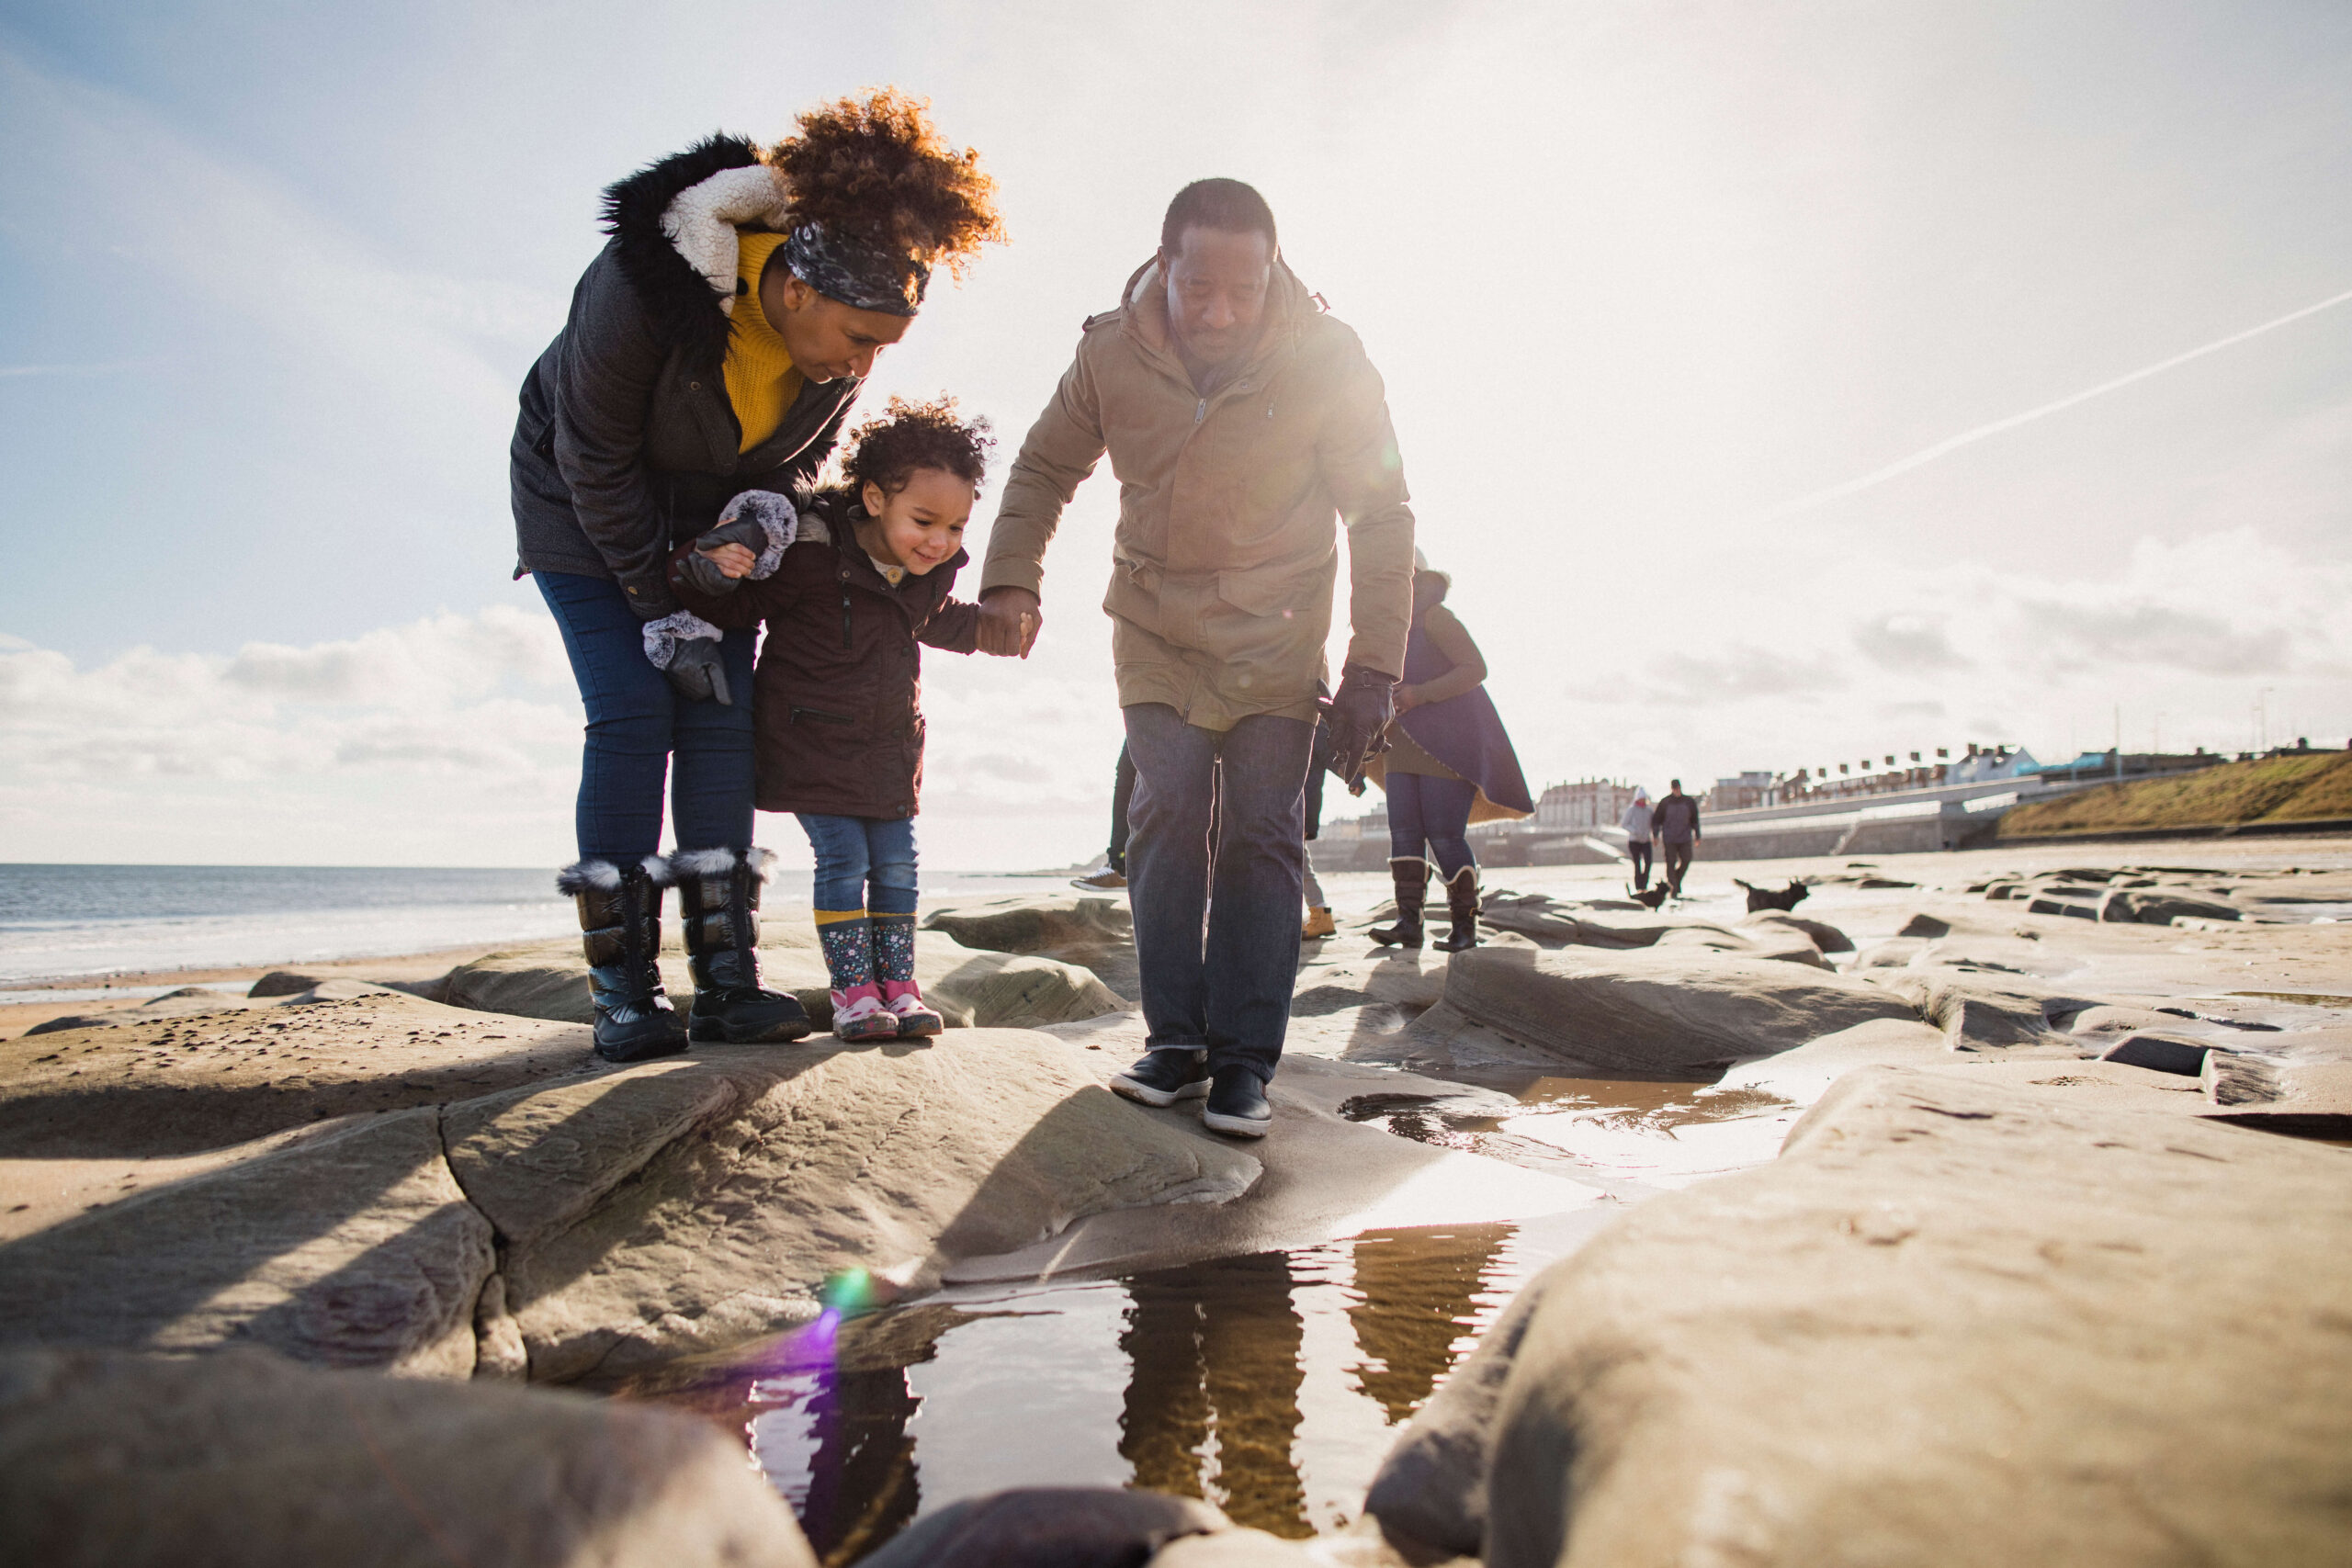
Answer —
1165 1076
1237 1105
1104 881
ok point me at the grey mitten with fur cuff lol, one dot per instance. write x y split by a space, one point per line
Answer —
685 646
761 522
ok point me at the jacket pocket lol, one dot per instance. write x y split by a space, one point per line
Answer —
798 715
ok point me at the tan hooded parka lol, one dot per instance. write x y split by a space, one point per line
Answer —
1226 553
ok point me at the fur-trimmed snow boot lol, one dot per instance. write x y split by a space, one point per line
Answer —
719 900
1412 876
1462 903
620 925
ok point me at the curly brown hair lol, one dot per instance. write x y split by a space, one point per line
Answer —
912 436
877 168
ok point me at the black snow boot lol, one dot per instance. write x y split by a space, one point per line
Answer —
719 900
1412 874
1462 903
620 924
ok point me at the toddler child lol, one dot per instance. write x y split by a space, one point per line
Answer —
849 580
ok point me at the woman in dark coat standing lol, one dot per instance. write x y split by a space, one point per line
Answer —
1449 763
712 351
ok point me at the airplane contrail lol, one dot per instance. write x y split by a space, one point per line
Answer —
1967 437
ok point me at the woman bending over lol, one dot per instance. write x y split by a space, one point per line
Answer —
712 351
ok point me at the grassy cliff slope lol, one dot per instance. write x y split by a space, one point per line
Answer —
2275 789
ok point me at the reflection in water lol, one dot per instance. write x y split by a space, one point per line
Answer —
1270 1384
1212 1407
1416 1290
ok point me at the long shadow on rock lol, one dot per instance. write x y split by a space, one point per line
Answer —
353 1248
183 1086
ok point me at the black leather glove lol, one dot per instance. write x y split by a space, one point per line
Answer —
684 647
1359 717
698 674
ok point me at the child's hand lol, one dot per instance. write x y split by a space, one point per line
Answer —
732 560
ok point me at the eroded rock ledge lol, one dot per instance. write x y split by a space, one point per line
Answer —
610 1217
1953 1323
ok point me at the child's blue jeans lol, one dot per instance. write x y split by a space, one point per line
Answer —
863 862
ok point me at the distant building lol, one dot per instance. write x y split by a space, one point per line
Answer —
1741 793
1583 806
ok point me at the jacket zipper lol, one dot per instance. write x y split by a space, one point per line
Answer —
821 716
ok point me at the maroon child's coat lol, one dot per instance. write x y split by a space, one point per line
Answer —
836 703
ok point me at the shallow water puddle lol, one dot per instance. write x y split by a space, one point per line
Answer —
1657 1133
1272 1384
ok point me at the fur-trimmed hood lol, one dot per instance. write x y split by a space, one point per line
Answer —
673 233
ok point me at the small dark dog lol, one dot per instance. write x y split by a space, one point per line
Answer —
1649 897
1783 898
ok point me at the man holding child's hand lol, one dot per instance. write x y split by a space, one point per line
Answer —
1243 424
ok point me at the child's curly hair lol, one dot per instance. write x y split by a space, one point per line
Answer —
876 167
911 435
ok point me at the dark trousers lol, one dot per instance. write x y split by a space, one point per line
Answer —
1122 794
1423 809
1678 861
1638 851
636 722
1216 929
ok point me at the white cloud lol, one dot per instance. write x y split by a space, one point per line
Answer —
455 739
407 743
1910 643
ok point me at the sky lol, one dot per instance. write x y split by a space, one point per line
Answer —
1736 350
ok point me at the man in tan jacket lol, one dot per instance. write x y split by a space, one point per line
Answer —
1243 424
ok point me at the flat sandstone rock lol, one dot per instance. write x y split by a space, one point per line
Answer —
1646 1012
134 1462
597 1220
178 1086
694 1203
1954 1323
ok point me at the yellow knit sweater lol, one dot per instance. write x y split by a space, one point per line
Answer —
760 380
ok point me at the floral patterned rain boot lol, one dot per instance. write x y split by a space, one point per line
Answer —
894 964
847 936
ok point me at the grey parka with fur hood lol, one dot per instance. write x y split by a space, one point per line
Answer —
626 445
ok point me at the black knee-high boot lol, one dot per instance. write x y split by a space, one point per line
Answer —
620 925
1412 876
719 900
1462 903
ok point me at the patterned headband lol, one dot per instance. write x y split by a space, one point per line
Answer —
856 274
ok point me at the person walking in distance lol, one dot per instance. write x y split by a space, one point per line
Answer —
1676 823
1449 763
1637 823
1244 424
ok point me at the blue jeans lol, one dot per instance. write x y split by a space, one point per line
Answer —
1422 808
1226 990
863 862
635 721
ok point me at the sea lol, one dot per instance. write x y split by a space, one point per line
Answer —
64 924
